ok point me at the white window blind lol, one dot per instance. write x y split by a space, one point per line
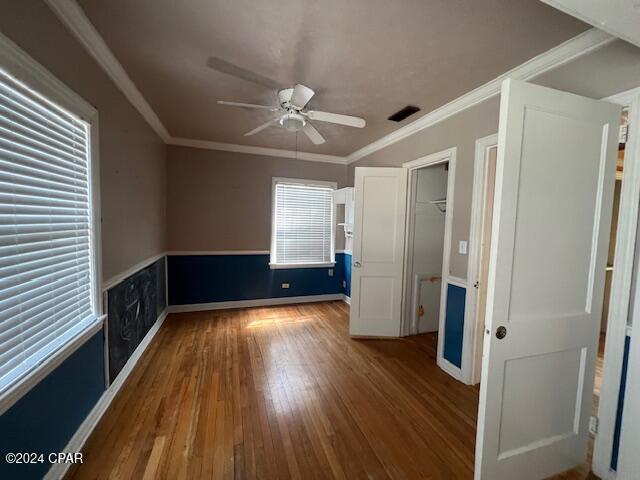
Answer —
302 224
46 266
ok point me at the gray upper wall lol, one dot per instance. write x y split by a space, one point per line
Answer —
612 69
219 201
144 212
132 157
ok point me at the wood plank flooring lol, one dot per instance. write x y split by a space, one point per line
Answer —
283 392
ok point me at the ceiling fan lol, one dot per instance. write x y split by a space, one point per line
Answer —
292 115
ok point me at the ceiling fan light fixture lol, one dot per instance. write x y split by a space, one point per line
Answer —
293 122
293 114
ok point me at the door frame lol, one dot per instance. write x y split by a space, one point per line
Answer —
621 286
409 318
474 328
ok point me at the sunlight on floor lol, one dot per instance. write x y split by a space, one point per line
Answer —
278 321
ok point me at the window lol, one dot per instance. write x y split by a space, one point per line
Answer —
47 260
302 224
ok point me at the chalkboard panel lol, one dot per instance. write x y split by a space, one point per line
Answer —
133 307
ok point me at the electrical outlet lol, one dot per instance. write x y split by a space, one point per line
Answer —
331 272
344 284
285 285
462 247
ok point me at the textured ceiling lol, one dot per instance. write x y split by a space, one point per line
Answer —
362 57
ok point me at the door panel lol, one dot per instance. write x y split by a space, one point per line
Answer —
378 251
379 219
617 17
554 186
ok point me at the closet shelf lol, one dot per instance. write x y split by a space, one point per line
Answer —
440 204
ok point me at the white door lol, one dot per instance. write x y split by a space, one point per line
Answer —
617 17
378 251
553 201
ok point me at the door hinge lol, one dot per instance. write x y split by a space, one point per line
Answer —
593 425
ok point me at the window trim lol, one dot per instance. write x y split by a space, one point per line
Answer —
307 183
19 65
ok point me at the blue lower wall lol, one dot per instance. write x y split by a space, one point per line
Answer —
346 265
45 419
454 324
224 278
623 385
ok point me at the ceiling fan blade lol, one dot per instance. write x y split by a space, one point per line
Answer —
247 105
301 96
229 68
261 127
338 118
313 134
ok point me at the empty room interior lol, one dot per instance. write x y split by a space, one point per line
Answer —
319 239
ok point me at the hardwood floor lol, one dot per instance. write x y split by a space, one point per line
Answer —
283 392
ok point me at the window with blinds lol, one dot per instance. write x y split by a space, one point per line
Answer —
302 223
46 254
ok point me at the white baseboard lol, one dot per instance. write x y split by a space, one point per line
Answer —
59 470
450 368
260 302
346 299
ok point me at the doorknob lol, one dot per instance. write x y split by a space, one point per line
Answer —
357 264
501 332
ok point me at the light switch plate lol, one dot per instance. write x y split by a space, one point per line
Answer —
285 285
331 272
462 247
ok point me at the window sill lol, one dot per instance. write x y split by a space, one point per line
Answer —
279 266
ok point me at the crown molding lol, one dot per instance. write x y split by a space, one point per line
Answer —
74 18
573 48
271 152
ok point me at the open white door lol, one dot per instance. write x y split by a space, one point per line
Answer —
617 17
378 251
552 214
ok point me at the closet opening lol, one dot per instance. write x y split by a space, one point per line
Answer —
427 250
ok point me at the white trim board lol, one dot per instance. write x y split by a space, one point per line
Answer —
178 253
471 353
216 252
72 15
76 443
457 281
271 152
621 289
260 302
74 18
116 279
450 368
409 325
